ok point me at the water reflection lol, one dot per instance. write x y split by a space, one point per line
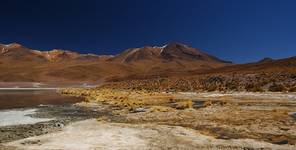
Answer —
22 99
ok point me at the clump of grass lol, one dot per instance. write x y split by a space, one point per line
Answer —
212 88
277 88
184 104
207 103
103 119
292 89
253 88
231 86
161 109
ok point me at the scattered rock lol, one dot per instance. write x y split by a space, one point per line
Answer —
137 110
59 125
293 114
31 142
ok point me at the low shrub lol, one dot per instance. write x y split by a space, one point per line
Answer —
161 109
277 88
212 88
253 88
184 104
292 89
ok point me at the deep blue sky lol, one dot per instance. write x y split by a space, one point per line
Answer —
236 30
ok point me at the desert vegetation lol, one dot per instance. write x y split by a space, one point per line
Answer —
258 82
224 117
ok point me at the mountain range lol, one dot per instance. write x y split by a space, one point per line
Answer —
21 64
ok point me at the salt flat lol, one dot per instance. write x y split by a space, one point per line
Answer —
17 117
91 134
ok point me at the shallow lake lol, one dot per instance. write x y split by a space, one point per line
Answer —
32 98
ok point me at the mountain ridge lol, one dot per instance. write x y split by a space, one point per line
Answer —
21 64
51 55
167 52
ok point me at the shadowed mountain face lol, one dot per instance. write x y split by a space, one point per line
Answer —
175 51
173 58
264 66
266 60
167 53
19 63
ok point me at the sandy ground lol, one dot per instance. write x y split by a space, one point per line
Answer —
17 117
61 116
265 95
91 134
265 117
243 95
223 121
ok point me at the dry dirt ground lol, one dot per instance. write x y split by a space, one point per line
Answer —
260 116
159 120
91 134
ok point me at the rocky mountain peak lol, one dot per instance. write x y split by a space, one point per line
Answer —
266 59
11 45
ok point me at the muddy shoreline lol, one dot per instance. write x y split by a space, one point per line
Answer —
62 114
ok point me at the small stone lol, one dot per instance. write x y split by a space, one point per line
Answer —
139 110
60 125
282 142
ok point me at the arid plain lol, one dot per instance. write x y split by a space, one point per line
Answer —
166 97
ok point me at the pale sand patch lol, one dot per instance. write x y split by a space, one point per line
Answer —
91 134
258 95
17 117
86 135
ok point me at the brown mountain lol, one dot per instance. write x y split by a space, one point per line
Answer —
19 63
170 59
267 75
18 52
266 65
266 60
176 51
167 53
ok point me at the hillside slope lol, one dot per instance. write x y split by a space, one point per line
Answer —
21 64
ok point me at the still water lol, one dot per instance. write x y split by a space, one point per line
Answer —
32 98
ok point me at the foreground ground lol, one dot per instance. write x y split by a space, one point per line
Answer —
260 116
91 134
155 120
